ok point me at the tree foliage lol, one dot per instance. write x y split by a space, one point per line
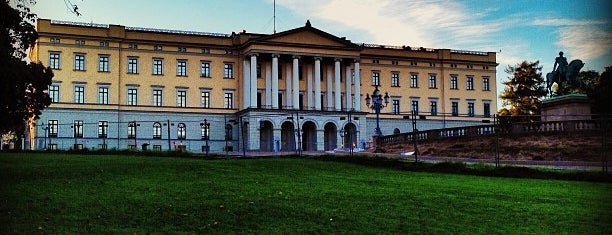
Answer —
23 91
523 91
599 90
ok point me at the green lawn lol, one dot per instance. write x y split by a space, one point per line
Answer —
71 194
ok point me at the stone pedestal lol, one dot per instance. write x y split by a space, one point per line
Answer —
566 108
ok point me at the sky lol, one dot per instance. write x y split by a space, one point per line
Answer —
516 30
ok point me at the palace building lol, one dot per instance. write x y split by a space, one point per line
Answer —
120 87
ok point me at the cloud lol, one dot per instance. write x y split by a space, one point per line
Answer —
565 22
585 42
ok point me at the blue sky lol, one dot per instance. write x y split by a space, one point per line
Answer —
518 29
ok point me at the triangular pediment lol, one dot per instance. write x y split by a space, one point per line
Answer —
306 35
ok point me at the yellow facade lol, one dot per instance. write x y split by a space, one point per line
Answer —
307 44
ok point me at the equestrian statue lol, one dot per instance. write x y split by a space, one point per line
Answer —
564 75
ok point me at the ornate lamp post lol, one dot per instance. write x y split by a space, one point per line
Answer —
376 103
206 135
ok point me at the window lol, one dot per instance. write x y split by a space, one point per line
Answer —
132 65
157 147
157 130
79 62
102 129
181 68
396 106
259 71
394 62
158 66
133 46
205 131
131 131
470 109
485 84
182 131
375 61
486 109
79 94
432 81
52 125
395 79
103 95
204 69
181 98
54 93
228 101
228 132
132 98
433 107
54 40
455 108
205 50
414 80
157 97
415 107
54 60
413 63
470 83
103 63
228 71
453 82
182 49
205 99
79 42
78 129
104 43
375 78
158 47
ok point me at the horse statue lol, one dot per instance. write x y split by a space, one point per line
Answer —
569 75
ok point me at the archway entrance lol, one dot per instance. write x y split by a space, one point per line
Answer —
309 136
329 138
350 135
266 136
287 136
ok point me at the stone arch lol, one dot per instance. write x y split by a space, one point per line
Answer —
309 136
330 140
266 136
287 136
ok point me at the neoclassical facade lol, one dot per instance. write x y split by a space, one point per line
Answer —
142 88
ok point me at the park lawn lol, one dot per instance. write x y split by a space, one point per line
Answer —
70 194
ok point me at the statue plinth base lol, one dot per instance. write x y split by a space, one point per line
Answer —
566 108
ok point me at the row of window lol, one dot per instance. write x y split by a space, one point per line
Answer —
432 82
433 108
133 65
81 42
78 129
132 96
414 63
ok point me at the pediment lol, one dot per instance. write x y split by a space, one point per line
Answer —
306 35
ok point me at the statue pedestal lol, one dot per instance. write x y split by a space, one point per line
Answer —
566 108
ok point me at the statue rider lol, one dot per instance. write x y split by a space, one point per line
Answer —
562 65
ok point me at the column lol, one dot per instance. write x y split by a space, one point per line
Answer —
330 97
253 81
268 85
357 86
347 80
275 81
317 84
288 87
246 85
309 86
296 83
337 91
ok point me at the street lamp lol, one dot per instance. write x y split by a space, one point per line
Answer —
206 135
376 104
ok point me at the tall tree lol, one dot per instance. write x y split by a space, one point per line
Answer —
600 93
23 90
523 91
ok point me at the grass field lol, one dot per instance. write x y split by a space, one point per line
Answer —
71 194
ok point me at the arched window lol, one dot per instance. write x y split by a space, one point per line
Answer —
131 130
157 130
182 131
205 131
396 131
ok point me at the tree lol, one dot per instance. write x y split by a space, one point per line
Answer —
600 93
523 91
23 90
